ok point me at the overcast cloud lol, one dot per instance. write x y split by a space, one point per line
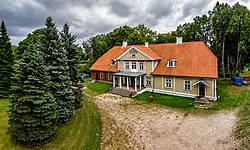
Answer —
91 17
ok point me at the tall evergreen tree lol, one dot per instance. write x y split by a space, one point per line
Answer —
6 61
57 65
68 41
33 115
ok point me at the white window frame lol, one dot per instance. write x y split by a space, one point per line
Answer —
133 65
141 64
109 76
101 75
126 65
113 62
168 83
171 63
148 81
186 85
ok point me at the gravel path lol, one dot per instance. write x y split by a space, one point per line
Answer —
155 128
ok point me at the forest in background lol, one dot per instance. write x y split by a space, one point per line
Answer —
225 30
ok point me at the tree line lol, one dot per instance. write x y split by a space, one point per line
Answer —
225 30
42 85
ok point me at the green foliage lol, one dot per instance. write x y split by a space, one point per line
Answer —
165 38
33 115
171 101
96 46
6 62
32 38
83 132
99 87
57 65
72 54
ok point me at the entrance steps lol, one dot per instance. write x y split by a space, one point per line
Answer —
122 92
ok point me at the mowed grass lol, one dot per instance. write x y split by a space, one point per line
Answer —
82 132
166 100
99 87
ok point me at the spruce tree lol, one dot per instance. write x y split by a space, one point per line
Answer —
68 41
6 62
32 114
57 65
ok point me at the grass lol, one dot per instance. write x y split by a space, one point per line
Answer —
99 87
166 100
82 132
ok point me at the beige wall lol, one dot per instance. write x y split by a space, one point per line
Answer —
178 85
139 56
147 65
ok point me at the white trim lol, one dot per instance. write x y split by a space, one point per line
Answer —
171 82
213 88
135 49
101 75
215 91
174 84
113 81
190 85
109 76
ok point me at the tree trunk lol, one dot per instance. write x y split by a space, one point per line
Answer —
238 59
223 57
228 66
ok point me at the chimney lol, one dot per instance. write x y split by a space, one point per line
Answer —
146 44
124 44
178 40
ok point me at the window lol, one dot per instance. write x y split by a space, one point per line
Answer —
148 81
101 75
141 65
168 83
133 65
109 76
113 62
133 55
127 65
171 63
187 85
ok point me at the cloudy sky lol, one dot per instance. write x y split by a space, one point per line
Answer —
91 17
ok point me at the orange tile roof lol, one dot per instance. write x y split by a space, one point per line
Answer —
193 59
148 51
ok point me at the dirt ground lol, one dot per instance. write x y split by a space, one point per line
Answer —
129 124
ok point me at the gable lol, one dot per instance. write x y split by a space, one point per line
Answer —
134 53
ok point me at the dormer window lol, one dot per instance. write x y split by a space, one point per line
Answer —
113 62
171 63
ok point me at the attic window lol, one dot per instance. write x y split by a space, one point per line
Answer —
171 63
133 55
113 62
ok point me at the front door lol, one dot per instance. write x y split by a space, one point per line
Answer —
201 89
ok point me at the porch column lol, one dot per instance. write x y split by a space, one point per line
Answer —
140 82
135 83
127 84
113 81
120 79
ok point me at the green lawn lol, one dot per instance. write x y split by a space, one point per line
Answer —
99 87
82 132
163 99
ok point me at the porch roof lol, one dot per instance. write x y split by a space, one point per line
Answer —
201 81
129 74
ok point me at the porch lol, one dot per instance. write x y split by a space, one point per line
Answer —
128 83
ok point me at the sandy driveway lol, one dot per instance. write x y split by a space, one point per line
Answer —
155 128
